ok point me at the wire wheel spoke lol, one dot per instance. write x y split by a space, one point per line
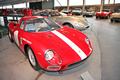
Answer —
31 57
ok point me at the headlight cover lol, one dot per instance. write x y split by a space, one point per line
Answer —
81 24
52 57
88 41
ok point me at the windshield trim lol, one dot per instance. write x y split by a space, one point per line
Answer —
46 23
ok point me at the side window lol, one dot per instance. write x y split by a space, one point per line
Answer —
22 24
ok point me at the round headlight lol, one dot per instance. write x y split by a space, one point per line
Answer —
87 41
52 57
49 55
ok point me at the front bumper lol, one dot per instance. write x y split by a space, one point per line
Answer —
67 66
102 16
116 18
76 12
87 14
81 27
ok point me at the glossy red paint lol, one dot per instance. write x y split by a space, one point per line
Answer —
42 41
104 14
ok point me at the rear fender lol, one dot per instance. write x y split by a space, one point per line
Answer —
12 24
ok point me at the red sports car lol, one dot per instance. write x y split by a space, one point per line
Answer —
49 46
106 13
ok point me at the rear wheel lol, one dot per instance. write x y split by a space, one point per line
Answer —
68 25
96 17
9 35
108 16
111 20
32 59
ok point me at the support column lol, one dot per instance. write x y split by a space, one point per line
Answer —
108 1
83 9
26 5
102 4
67 4
13 10
114 2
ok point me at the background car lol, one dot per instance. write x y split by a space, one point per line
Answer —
77 11
67 11
69 21
106 13
115 16
64 14
88 12
49 46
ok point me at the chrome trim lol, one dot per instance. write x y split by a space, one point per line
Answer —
54 52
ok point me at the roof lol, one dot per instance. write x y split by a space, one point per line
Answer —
12 2
32 17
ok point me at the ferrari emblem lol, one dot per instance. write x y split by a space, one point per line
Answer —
54 19
79 51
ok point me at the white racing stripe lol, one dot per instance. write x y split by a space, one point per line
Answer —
71 44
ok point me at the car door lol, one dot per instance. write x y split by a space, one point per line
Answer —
18 33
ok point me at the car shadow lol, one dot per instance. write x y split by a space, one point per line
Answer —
69 71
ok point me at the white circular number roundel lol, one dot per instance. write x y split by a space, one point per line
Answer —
16 37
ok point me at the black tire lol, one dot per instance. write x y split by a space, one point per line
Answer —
111 20
108 16
83 15
32 59
96 17
68 25
9 35
0 35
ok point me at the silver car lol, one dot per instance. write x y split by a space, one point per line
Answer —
88 12
67 11
77 11
75 22
115 16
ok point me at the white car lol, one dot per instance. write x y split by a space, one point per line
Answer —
115 16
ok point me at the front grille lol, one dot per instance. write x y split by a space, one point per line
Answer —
116 18
76 64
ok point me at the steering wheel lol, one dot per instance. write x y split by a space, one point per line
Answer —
37 28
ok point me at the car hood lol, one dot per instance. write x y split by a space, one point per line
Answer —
76 11
55 41
116 15
102 13
64 50
70 19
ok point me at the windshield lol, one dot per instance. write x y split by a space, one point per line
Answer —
105 11
54 13
44 13
118 11
41 25
77 9
88 10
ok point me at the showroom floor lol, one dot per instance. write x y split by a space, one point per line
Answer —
108 35
103 64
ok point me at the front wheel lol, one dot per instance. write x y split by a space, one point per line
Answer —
108 16
32 59
96 17
68 25
111 20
